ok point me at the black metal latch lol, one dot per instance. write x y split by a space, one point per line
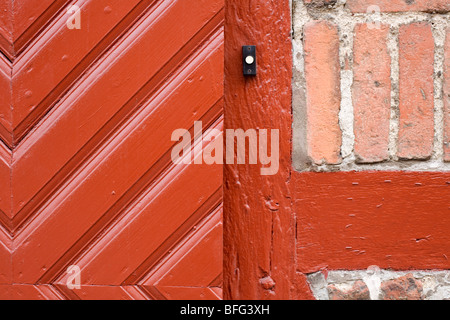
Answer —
249 60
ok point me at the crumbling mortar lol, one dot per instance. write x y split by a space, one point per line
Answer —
436 283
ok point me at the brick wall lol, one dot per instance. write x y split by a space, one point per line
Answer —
376 284
371 85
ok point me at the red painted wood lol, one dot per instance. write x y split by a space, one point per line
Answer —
196 251
5 102
5 186
60 292
349 220
6 29
259 225
396 220
102 293
28 292
86 174
77 109
66 49
31 17
5 257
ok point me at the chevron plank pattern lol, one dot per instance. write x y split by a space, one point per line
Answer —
86 117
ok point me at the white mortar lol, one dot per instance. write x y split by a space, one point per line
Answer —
346 22
436 284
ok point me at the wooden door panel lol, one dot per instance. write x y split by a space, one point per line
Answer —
75 116
87 177
103 179
62 53
177 195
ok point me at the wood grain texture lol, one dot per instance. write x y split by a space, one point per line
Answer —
85 167
395 220
259 225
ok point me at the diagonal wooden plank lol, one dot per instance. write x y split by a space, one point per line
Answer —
206 209
61 292
69 51
5 185
129 199
202 249
21 20
25 12
105 178
87 109
102 292
5 257
175 196
28 292
190 293
5 101
6 29
156 82
30 17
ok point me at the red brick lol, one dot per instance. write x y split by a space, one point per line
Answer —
447 99
416 131
322 72
371 93
400 5
403 288
359 291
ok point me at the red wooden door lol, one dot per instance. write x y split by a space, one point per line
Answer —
88 102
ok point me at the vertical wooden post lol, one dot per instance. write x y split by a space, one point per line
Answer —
259 240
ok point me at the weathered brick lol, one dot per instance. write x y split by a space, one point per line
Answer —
319 3
403 288
371 93
416 60
400 5
446 97
322 73
359 291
